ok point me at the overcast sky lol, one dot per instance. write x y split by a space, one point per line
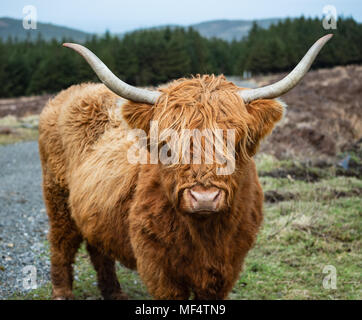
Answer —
124 15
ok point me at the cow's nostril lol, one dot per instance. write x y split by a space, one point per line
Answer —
193 195
217 195
205 195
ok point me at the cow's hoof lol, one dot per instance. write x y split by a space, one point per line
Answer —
116 296
62 295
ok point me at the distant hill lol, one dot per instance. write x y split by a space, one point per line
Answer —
230 29
223 29
14 28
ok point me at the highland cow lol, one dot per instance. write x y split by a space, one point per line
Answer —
183 227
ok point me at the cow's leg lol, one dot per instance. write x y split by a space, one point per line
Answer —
211 294
106 274
218 287
161 289
160 283
64 238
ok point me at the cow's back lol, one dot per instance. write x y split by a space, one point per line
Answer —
72 122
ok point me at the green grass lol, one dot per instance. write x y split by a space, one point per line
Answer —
19 135
21 129
85 286
320 226
267 163
298 240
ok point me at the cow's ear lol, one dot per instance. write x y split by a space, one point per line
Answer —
138 115
264 114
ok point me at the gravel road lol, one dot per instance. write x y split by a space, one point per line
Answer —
23 220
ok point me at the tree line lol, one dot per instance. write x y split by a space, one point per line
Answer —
152 57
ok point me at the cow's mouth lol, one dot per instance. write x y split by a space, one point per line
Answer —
204 213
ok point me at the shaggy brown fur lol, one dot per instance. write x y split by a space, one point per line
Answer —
132 213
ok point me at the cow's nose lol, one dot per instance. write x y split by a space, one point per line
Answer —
205 199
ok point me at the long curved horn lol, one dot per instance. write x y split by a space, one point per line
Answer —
291 80
111 81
